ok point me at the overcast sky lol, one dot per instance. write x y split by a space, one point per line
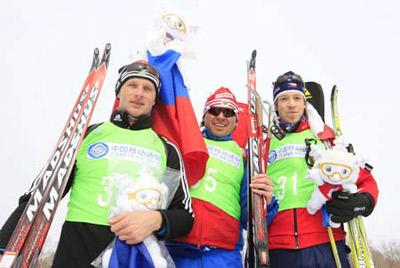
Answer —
46 49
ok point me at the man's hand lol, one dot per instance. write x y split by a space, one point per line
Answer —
262 184
134 227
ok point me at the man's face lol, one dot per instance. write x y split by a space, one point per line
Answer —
290 106
137 96
220 121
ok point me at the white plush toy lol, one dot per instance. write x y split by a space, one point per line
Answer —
333 170
172 32
146 193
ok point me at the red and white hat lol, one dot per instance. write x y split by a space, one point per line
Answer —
222 98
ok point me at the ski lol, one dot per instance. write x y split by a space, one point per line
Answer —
357 237
29 235
257 252
337 126
315 96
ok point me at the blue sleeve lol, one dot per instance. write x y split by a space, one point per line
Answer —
325 216
162 232
243 200
272 210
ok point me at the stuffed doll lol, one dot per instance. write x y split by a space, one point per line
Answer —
145 193
172 32
334 169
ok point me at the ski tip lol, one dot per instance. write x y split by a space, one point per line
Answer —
106 55
95 61
334 95
254 53
334 91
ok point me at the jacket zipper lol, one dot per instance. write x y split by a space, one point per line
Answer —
296 233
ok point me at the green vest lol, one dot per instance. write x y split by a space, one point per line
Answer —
288 168
105 154
223 177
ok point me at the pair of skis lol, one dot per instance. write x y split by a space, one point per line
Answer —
257 254
357 236
29 235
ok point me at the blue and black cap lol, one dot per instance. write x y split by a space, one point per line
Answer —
289 81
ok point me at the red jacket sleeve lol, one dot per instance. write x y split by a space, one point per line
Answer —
367 183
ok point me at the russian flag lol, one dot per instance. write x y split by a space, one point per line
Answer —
130 256
174 118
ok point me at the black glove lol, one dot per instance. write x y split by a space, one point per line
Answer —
345 206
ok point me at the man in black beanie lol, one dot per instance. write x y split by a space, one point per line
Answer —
125 142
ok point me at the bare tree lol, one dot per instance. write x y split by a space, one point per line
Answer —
391 251
386 255
378 258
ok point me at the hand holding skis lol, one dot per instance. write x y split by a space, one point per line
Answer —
345 206
262 184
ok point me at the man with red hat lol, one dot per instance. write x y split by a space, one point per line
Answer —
219 198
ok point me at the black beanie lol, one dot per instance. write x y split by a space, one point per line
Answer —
139 69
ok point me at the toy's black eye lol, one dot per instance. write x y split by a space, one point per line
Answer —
346 171
179 25
328 168
142 195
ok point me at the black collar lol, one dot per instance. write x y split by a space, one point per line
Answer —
121 119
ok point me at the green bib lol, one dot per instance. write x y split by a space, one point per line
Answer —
105 154
287 167
223 177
